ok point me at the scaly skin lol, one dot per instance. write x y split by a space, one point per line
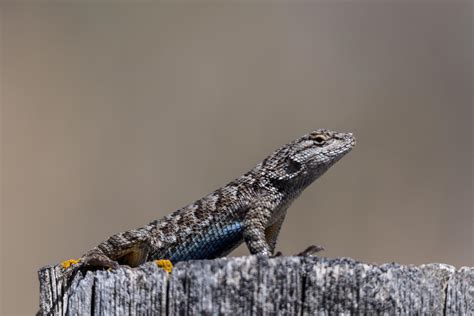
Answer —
250 209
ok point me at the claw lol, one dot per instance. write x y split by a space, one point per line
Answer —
310 250
66 264
278 254
165 265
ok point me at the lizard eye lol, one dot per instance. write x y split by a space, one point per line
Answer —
319 139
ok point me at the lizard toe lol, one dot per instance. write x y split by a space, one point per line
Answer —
100 261
310 251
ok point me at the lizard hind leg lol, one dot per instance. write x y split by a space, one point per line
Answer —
97 259
133 257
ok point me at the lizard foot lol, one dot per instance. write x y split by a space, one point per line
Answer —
310 251
98 260
307 252
165 265
70 262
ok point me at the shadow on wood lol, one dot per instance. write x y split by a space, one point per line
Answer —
258 286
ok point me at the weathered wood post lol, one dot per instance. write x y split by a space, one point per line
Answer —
262 286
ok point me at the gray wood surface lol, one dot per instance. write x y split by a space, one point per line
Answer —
261 286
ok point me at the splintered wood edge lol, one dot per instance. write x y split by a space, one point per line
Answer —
302 285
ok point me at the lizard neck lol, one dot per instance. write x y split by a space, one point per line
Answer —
294 186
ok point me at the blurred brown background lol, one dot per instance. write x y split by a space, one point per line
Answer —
116 114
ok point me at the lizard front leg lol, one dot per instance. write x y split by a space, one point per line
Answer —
271 235
255 223
272 232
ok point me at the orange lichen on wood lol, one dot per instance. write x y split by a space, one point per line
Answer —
165 265
66 264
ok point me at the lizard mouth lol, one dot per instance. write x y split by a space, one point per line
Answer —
347 138
350 139
353 140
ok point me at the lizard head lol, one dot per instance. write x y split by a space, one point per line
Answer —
305 159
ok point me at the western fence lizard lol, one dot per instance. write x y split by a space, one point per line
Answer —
250 209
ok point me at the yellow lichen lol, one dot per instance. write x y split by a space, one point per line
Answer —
165 265
66 264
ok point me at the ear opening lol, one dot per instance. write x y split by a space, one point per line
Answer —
292 166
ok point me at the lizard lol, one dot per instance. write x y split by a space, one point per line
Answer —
249 209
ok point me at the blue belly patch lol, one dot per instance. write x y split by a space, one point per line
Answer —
212 243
